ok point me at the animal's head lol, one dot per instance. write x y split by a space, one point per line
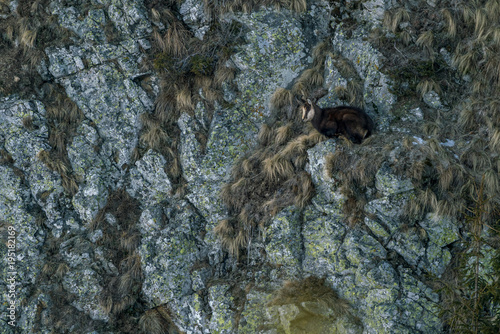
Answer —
308 109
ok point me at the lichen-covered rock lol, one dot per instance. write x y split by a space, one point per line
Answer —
409 245
84 285
169 250
255 314
22 237
442 232
22 241
149 180
92 169
21 185
283 235
316 167
276 47
333 79
357 265
221 303
80 280
366 60
193 13
102 93
387 183
24 144
323 236
389 209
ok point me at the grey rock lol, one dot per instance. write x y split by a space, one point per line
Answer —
193 13
433 100
283 236
366 61
388 183
148 180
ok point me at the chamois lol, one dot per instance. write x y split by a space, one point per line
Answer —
351 122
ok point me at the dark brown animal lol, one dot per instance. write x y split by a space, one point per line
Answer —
351 122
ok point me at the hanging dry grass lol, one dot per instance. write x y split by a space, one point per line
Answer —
157 320
175 39
281 98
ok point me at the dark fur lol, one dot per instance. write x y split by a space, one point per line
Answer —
351 122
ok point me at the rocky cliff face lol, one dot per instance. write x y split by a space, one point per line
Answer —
157 177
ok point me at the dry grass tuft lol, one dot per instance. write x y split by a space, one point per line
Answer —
355 92
392 20
342 93
300 88
154 137
224 74
425 41
281 98
320 52
175 39
28 38
495 140
405 37
313 76
299 6
468 115
283 134
296 147
157 321
28 123
480 22
265 135
305 190
184 100
428 85
451 25
277 167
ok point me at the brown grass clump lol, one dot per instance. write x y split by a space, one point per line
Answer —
354 170
428 85
191 72
297 5
121 239
393 19
63 118
157 320
271 177
281 98
426 41
451 23
24 34
265 181
215 8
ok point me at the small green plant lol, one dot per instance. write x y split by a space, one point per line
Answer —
201 65
163 62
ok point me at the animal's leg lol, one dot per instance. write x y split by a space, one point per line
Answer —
329 129
330 132
352 133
